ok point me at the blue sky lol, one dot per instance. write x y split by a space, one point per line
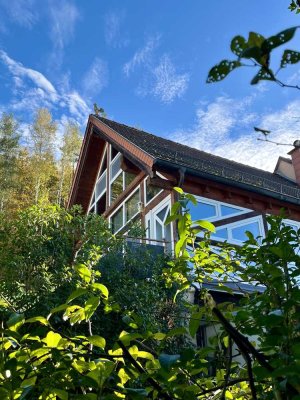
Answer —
146 63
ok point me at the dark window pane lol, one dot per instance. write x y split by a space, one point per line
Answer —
132 206
114 152
101 204
117 220
239 232
151 191
158 231
116 188
128 178
104 165
202 211
162 215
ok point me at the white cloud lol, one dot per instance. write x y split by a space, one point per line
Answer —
23 12
32 90
168 84
225 128
64 15
142 56
19 71
96 78
112 30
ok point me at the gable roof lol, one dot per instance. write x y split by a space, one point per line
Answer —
175 155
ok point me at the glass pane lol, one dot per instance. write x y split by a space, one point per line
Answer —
117 220
202 211
168 237
115 167
114 152
158 231
104 165
151 191
221 233
148 230
162 215
101 185
239 232
116 188
132 206
226 210
128 178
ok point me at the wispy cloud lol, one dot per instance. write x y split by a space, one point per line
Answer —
112 29
32 90
168 83
96 78
23 12
159 77
142 56
225 128
63 17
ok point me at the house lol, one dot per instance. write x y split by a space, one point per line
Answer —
128 175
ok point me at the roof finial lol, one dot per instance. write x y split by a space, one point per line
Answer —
99 110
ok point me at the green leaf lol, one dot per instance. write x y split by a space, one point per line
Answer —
289 57
77 293
206 225
279 39
91 306
238 45
83 272
52 339
195 321
255 39
221 70
15 321
168 360
102 288
41 320
228 395
252 52
61 394
263 74
159 336
178 190
97 341
55 310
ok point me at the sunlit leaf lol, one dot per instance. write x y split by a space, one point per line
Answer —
221 70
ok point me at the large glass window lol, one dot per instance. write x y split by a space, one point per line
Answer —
116 188
126 212
117 220
132 206
151 191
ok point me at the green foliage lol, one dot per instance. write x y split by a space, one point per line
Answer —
295 6
256 50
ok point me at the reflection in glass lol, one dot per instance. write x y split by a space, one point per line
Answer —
221 233
115 166
239 232
132 206
227 210
117 220
116 188
202 211
151 191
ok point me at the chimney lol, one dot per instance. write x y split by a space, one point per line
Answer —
295 154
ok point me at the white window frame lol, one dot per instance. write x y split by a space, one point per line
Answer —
124 211
218 205
93 204
238 224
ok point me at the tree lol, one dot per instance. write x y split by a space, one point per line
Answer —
39 358
42 150
69 155
256 52
9 151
